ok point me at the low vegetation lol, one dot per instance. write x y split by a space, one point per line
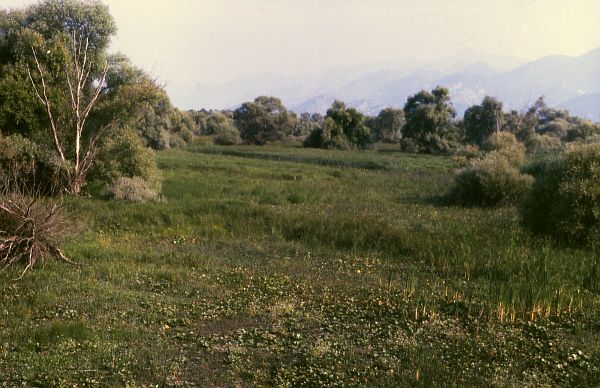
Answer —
292 266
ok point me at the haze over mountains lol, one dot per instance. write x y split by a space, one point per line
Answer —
567 82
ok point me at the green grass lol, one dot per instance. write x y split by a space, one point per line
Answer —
287 266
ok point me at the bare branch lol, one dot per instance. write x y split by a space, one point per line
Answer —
90 105
46 102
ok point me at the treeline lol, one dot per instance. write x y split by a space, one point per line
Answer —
427 124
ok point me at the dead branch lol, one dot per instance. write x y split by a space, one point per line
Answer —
29 227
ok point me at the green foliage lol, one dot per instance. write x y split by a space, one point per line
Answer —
227 134
307 123
491 181
494 179
30 168
557 128
542 143
19 111
42 72
505 144
583 130
264 120
343 128
428 122
123 155
480 121
135 99
216 121
565 200
387 125
466 153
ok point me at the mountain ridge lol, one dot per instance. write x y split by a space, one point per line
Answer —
564 81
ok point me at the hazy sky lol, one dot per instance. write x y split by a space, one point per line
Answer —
202 41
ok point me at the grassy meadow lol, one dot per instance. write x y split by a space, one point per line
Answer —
284 266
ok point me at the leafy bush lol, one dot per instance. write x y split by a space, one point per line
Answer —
227 134
133 189
490 181
542 143
24 164
343 128
506 145
429 121
464 154
409 145
329 136
496 178
565 200
124 156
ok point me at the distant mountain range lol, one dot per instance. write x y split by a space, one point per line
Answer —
571 83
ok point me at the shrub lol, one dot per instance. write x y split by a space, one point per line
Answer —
125 156
24 165
490 181
565 200
506 145
496 178
227 135
409 145
328 137
464 154
542 143
133 189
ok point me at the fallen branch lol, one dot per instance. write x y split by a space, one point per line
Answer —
29 230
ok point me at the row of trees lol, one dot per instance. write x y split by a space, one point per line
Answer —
266 120
427 124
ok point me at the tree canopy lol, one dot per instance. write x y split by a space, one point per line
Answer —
61 89
342 128
480 121
429 121
264 120
387 125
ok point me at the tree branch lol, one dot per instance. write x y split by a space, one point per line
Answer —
46 102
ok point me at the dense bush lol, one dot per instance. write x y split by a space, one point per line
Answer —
465 154
542 143
490 181
505 144
494 179
24 163
264 120
429 124
124 156
329 136
343 128
565 201
227 134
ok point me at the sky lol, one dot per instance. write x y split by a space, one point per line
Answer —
214 41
